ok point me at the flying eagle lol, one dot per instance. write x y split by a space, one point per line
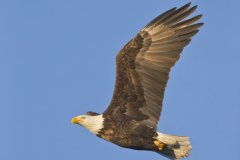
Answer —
142 71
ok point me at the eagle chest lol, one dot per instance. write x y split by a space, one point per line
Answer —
128 135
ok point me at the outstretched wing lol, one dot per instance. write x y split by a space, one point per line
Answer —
143 65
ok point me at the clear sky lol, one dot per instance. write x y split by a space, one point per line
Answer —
57 60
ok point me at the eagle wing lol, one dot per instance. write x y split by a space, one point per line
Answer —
143 65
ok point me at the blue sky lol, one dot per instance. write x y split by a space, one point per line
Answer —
57 60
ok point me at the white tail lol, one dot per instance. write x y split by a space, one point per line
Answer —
176 147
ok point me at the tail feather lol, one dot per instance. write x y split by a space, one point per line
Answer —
176 147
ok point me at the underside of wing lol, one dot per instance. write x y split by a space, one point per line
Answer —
143 65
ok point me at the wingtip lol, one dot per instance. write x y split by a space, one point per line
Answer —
196 18
193 8
200 15
201 24
184 7
172 9
188 4
198 25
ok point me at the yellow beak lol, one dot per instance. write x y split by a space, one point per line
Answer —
76 120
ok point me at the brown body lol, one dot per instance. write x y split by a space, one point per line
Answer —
128 134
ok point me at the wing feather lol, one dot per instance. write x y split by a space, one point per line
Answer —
143 65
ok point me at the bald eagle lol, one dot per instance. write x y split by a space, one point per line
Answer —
142 71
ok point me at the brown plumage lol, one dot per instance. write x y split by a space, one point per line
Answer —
143 65
142 72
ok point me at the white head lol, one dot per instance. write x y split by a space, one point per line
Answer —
93 123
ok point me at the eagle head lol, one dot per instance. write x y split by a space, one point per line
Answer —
94 123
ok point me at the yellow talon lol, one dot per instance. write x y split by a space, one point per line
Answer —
159 144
